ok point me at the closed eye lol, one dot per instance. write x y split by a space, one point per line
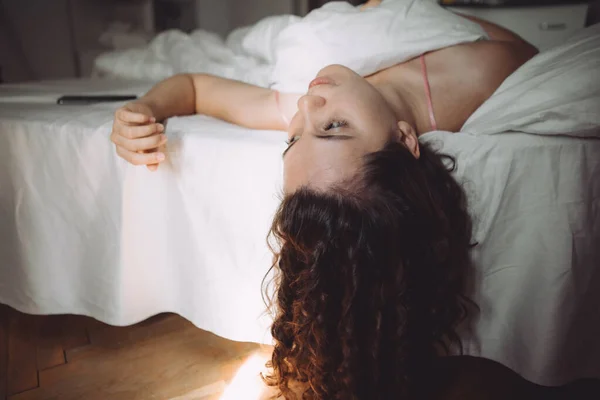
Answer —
335 137
335 124
292 141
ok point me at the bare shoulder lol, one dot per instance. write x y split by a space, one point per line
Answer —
482 65
464 76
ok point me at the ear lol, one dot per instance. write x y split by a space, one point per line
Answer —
408 137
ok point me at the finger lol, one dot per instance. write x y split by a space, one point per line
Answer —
140 158
134 132
152 167
134 117
141 144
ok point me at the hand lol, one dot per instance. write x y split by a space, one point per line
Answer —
137 136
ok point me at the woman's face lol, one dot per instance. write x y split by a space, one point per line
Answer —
340 119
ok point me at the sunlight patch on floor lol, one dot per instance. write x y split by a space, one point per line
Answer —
203 392
247 383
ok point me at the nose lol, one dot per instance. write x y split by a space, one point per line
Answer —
310 103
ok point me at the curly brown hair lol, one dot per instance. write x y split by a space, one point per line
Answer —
369 279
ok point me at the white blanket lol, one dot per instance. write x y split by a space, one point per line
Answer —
365 41
555 93
286 52
83 232
174 52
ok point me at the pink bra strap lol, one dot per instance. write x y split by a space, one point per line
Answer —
428 94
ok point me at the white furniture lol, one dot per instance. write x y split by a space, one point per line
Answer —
542 26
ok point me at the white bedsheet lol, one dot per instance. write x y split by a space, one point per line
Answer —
536 208
535 199
286 52
83 232
364 41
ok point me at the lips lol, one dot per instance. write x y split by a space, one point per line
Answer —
322 80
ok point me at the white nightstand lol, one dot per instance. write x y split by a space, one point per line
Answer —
542 26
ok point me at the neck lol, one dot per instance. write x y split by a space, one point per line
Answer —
403 96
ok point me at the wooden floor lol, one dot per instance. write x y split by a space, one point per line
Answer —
69 357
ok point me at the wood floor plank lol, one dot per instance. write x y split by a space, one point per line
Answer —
108 336
22 362
168 358
162 368
49 346
5 314
82 364
103 336
74 331
208 392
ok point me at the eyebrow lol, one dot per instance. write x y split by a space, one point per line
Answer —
324 137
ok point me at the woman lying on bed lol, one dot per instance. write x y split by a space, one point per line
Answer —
374 231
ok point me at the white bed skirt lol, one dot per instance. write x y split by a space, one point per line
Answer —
83 232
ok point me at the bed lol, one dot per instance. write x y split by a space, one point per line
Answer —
83 232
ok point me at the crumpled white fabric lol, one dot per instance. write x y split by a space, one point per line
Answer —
364 41
286 52
555 93
173 52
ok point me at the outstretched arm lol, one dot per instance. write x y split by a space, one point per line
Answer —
232 101
137 134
